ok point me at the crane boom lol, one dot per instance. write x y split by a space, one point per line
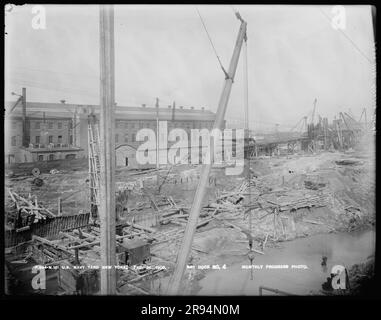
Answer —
190 229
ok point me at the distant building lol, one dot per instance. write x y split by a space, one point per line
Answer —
60 131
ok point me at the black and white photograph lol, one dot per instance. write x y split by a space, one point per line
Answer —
189 150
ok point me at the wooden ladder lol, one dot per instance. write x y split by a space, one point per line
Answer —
94 166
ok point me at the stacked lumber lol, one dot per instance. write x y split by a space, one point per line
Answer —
27 211
305 202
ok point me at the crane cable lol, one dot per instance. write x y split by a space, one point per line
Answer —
211 42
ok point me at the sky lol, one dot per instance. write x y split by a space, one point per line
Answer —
294 56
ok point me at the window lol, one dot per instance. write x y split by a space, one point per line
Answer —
37 125
71 140
59 125
40 157
59 139
14 125
37 139
50 139
116 138
126 137
133 137
11 158
13 141
51 157
50 125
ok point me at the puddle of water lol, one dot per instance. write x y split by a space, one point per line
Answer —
344 249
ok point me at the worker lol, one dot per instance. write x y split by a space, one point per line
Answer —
324 263
327 286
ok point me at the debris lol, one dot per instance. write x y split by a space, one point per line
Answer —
38 182
348 162
36 172
312 221
313 185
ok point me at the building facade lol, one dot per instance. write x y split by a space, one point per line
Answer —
60 131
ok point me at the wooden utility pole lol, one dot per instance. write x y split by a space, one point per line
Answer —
182 257
157 135
107 150
25 133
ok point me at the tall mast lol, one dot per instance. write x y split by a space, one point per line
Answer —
186 245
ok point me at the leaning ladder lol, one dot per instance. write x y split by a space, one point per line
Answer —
94 167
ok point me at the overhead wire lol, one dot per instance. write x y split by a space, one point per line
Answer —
211 42
348 38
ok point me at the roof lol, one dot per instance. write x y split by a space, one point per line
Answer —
123 112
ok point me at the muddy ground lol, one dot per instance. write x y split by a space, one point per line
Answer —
345 180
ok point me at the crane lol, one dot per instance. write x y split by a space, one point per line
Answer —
183 254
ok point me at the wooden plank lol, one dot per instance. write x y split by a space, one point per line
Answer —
137 226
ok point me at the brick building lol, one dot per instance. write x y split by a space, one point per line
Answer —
59 131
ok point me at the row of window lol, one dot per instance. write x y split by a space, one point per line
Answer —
130 124
126 136
51 157
152 124
37 125
50 139
38 140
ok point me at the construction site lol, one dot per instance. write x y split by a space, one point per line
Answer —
303 203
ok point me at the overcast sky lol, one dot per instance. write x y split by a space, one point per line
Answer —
294 56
